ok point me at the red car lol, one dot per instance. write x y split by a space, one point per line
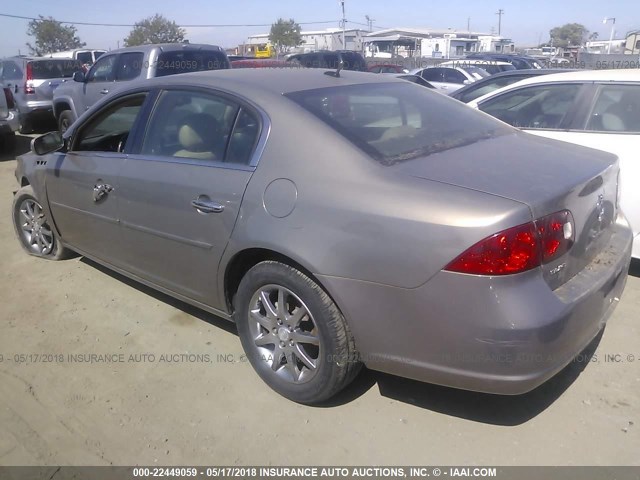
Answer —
387 68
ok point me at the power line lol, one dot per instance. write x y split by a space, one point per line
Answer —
184 26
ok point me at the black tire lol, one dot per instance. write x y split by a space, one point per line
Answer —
56 251
8 141
337 362
65 120
26 125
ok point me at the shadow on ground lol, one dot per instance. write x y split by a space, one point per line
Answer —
634 269
478 407
22 146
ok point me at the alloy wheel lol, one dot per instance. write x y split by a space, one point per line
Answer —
35 231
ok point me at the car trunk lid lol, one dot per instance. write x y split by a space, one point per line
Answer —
44 76
548 176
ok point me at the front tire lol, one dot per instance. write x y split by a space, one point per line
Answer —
65 120
293 334
8 142
32 227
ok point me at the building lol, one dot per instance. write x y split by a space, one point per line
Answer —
449 43
606 46
328 39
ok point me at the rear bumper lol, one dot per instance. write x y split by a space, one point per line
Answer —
504 335
35 108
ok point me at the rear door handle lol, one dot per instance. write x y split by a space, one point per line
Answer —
207 206
104 91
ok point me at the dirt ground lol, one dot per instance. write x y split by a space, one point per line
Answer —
177 391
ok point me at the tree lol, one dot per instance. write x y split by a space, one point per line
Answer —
51 36
569 34
285 34
156 29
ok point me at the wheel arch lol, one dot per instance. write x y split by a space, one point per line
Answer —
61 106
244 260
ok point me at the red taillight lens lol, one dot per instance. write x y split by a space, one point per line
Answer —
556 235
518 249
29 89
11 104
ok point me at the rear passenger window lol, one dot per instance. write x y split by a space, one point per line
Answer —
129 66
617 109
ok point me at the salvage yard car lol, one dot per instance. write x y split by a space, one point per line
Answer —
598 109
340 218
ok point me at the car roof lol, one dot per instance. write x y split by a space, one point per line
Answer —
585 75
276 81
630 75
168 47
472 62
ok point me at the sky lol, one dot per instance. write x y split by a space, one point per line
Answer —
526 22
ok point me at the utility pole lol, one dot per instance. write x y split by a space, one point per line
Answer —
500 13
613 24
344 27
369 22
468 24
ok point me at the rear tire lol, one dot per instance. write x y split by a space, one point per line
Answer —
293 334
65 120
32 227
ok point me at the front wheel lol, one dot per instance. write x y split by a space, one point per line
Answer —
293 334
65 120
33 229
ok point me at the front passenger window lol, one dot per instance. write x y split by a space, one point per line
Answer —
109 130
103 70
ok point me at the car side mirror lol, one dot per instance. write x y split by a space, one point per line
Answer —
47 143
79 77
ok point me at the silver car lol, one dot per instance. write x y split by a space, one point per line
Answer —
32 81
340 219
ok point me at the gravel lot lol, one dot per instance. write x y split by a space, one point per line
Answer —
183 394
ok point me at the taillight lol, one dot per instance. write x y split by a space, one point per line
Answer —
520 248
11 104
29 89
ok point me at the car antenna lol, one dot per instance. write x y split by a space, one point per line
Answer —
340 66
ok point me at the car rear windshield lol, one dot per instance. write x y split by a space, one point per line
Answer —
171 63
394 122
62 68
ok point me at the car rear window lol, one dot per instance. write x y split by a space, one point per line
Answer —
63 68
171 63
394 122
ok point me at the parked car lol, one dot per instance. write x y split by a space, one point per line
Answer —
387 68
117 68
450 79
85 56
339 220
490 66
499 80
595 108
32 81
330 59
9 122
521 62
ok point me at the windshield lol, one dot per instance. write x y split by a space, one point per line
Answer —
394 122
63 68
184 61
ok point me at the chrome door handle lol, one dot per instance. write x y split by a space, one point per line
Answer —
100 190
104 91
207 206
